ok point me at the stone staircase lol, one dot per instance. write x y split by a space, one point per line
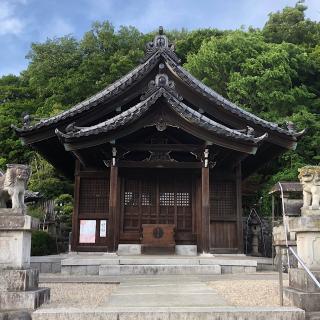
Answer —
165 313
157 265
167 298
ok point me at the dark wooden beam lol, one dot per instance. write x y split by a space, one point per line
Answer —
77 154
239 207
161 147
158 164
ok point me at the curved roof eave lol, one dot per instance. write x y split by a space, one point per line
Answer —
106 94
137 111
213 96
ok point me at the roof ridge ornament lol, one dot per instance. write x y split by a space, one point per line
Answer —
162 44
161 80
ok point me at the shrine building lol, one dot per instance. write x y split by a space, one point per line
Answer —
157 150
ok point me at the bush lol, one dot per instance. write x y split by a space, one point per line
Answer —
42 244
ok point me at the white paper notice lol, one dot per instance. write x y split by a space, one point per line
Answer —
103 228
87 231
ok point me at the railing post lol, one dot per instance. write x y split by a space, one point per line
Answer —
280 276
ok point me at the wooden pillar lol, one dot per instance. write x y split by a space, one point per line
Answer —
113 206
205 207
198 212
239 207
75 219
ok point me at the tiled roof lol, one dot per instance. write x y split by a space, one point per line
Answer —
137 111
213 96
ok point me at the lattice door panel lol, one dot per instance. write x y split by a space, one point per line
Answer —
223 199
166 200
184 204
131 201
148 202
94 197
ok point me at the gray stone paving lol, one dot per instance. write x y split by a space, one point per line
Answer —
165 292
167 297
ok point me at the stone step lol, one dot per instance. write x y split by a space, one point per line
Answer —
91 266
29 300
114 270
312 315
172 313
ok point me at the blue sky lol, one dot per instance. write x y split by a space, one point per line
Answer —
25 21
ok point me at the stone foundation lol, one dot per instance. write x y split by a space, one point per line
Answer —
302 291
129 249
186 250
18 282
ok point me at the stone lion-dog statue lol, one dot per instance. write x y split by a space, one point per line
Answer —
13 185
310 179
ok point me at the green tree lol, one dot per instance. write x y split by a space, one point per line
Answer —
46 180
16 97
218 58
291 25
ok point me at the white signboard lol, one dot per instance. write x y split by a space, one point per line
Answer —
87 231
103 228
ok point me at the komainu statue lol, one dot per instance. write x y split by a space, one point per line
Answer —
13 185
310 179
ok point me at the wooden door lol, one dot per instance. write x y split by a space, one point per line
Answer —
91 207
223 216
164 197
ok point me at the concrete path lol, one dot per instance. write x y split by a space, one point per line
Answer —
165 292
166 298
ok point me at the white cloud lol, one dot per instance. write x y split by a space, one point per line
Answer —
10 23
57 27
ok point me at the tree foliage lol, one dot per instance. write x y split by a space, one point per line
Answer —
273 72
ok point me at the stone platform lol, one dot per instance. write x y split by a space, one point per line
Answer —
302 291
176 313
113 265
18 282
163 297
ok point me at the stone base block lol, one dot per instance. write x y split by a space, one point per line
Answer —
309 302
19 280
308 249
310 212
15 315
30 300
17 248
109 270
92 270
18 222
129 249
186 250
310 223
15 238
313 316
300 280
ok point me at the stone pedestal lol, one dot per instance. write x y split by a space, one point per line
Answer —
18 282
307 229
302 291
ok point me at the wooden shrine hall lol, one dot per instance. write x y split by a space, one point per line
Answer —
157 150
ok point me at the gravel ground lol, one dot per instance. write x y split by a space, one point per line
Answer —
79 295
250 293
236 292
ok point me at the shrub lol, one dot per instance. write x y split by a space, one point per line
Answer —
42 244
